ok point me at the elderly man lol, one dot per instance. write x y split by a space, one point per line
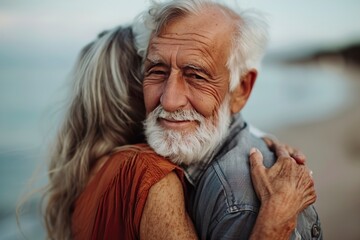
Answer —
199 70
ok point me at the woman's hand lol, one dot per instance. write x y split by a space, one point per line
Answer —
286 181
284 189
278 147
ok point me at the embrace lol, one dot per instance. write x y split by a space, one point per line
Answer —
154 145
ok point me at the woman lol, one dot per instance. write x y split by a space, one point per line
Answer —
100 187
106 111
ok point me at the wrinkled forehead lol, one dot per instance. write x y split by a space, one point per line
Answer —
192 38
211 28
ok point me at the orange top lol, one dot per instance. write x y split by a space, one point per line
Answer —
111 205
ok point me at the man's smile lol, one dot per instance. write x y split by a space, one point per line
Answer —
179 125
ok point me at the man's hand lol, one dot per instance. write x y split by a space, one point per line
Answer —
285 189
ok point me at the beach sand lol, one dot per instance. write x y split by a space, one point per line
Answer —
332 147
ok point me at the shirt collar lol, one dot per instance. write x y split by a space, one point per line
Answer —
194 172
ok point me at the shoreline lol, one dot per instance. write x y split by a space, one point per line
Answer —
332 147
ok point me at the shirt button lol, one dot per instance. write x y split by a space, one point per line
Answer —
315 231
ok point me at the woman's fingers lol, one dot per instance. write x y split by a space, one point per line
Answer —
281 150
286 182
259 174
296 154
256 159
306 187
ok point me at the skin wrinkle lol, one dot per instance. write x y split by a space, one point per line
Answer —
216 81
192 31
182 39
205 55
204 89
171 84
192 69
191 36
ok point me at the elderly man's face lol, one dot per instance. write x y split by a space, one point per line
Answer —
186 73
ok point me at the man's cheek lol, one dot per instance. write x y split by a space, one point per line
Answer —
206 104
151 98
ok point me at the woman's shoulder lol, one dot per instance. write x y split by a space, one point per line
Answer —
135 149
131 163
142 161
129 170
139 155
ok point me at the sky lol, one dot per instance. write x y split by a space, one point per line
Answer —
41 25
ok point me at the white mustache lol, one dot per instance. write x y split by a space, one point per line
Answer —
178 115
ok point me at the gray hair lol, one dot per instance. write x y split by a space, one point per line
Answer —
106 111
248 43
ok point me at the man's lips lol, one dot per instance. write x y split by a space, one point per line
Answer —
177 124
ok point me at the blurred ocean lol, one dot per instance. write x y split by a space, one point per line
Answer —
31 95
288 94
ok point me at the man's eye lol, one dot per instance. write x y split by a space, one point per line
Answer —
196 76
157 72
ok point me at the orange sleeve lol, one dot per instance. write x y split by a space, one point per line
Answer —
156 168
111 206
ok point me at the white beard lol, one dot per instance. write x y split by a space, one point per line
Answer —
187 147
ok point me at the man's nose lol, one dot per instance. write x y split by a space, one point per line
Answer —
174 96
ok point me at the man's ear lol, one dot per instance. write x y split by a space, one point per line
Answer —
241 93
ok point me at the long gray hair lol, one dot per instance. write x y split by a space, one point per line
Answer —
106 110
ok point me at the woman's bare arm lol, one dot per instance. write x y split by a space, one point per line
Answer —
283 196
164 215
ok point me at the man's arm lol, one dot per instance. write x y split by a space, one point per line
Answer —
164 215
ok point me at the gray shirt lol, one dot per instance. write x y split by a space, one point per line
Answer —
223 203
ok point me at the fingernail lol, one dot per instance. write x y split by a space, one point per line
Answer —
253 150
